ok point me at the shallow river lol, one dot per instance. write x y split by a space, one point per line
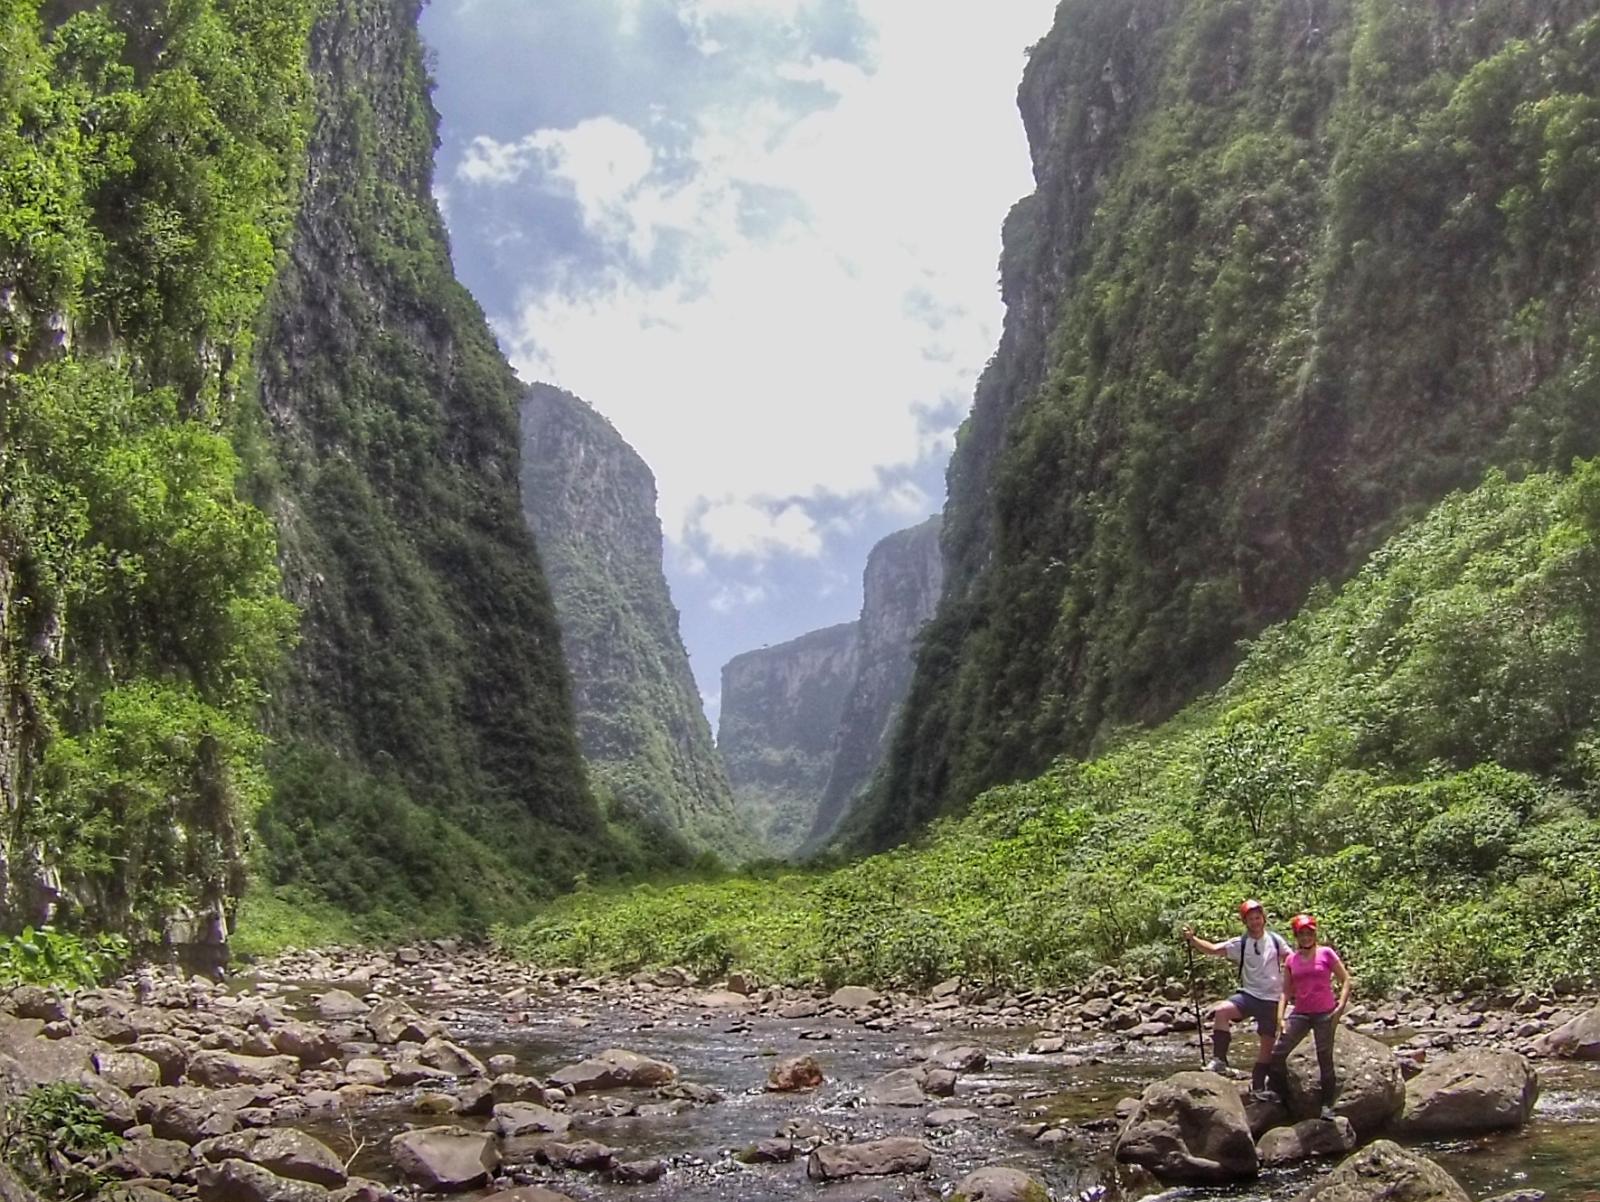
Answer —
1558 1153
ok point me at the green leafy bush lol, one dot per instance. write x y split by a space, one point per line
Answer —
49 1136
46 956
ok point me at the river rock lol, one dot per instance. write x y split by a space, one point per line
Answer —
957 1057
308 1044
902 1087
528 1193
128 1071
997 1184
613 1069
1371 1090
948 1116
794 1074
184 1112
395 1022
41 1061
171 1056
241 1181
1576 1039
1190 1127
587 1155
1306 1139
1383 1171
359 1189
767 1151
450 1058
292 1154
169 1159
219 1069
874 1158
337 1004
1463 1093
446 1159
366 1070
854 997
638 1172
35 1001
512 1119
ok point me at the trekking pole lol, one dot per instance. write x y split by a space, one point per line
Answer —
1194 992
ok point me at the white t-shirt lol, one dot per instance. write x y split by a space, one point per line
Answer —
1262 977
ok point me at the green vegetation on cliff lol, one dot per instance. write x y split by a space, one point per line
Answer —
1414 758
426 771
1295 270
148 163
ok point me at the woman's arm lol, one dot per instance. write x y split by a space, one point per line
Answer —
1342 975
1287 995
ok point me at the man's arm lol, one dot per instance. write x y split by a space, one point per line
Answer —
1205 945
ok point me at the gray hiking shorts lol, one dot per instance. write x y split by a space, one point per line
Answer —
1264 1012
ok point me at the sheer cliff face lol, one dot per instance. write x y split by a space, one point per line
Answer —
780 714
901 587
1294 269
591 504
426 732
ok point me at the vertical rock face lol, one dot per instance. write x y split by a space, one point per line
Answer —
591 504
1293 271
900 590
780 715
428 759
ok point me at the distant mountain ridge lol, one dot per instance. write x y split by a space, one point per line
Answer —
590 501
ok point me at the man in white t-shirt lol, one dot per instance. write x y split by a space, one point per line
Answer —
1259 955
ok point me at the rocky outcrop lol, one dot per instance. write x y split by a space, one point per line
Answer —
900 589
780 715
1371 1089
1468 1092
590 501
1190 1127
1386 1172
1211 394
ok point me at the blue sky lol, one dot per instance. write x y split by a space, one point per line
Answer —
761 237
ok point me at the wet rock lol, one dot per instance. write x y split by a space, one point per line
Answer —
948 1116
1385 1172
395 1022
1190 1127
520 1118
902 1087
637 1172
528 1193
435 1104
1306 1139
690 1091
500 1064
219 1069
1576 1039
767 1151
1047 1045
308 1044
613 1069
587 1155
447 1159
286 1153
958 1057
939 1082
514 1087
874 1158
795 1073
996 1184
804 1008
475 1097
367 1070
337 1004
1468 1092
1371 1089
449 1058
405 1073
359 1189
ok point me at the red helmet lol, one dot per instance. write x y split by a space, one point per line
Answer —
1302 922
1249 904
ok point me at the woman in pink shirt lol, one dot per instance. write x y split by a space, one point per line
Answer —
1308 976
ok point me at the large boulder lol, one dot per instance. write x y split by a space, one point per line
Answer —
613 1069
854 997
1463 1093
450 1058
512 1119
241 1181
1575 1039
902 1087
184 1112
793 1074
874 1158
292 1154
642 1071
1371 1089
997 1184
1306 1139
1190 1127
1385 1172
217 1069
445 1159
308 1044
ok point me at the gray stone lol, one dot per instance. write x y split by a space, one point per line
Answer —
1385 1172
151 1157
240 1181
793 1074
1576 1039
1371 1090
873 1158
523 1118
446 1159
128 1071
902 1087
292 1154
854 997
1467 1092
219 1069
337 1003
450 1058
586 1154
1190 1127
997 1184
1306 1139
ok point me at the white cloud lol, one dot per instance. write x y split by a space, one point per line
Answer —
733 597
734 528
906 500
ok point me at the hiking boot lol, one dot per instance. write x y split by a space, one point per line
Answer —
1262 1095
1327 1114
1217 1066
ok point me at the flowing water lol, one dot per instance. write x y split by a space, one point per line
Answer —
1558 1152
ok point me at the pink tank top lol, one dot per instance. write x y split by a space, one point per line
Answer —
1313 980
